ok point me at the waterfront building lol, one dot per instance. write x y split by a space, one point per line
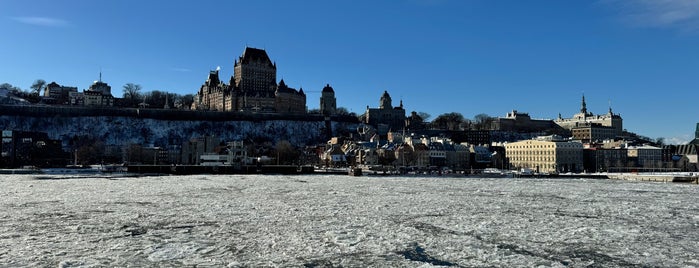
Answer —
681 156
481 157
645 156
597 158
609 119
458 156
193 149
27 148
385 117
546 154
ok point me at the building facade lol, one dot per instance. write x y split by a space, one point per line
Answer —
521 122
599 159
289 100
590 132
60 94
212 94
584 117
546 155
99 94
254 80
645 156
25 148
252 87
386 117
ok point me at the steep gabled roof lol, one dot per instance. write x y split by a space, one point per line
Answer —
255 55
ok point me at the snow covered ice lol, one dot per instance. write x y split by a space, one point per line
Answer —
331 221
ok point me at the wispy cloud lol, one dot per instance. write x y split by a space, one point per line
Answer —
681 15
182 70
429 2
684 139
42 21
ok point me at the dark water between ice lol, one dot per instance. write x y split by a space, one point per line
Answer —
331 221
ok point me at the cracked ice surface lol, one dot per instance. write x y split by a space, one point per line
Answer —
326 221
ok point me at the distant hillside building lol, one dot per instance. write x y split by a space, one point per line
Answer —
59 94
212 94
99 94
521 122
289 100
608 120
386 116
328 103
252 87
589 132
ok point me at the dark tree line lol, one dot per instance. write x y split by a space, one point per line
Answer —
133 97
456 121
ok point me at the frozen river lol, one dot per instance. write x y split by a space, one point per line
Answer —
332 221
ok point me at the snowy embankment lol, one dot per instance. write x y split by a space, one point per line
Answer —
126 130
257 220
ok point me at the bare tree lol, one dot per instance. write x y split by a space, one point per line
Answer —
482 121
132 94
37 86
10 87
448 121
187 101
342 111
286 153
425 116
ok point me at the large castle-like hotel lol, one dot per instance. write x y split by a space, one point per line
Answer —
252 87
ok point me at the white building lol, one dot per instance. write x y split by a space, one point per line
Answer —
546 155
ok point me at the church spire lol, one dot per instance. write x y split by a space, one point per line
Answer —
610 108
583 109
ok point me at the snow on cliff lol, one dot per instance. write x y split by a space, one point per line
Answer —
124 130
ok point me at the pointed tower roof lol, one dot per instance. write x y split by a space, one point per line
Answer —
583 109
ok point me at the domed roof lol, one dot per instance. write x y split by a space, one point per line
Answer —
328 89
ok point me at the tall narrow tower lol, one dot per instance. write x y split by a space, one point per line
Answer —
583 109
255 76
328 103
385 101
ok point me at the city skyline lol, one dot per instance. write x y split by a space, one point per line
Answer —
437 56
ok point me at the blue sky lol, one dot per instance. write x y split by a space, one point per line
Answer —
438 56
